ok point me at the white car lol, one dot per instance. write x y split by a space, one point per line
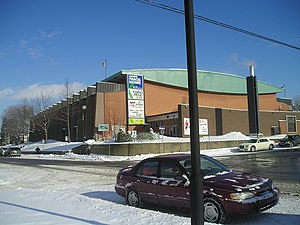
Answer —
255 144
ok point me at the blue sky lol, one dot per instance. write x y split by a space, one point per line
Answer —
45 42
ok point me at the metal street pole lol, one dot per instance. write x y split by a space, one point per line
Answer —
196 177
253 102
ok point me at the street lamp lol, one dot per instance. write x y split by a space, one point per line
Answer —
83 122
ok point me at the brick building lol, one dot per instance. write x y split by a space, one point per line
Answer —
222 102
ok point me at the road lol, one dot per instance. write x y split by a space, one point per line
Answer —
281 166
278 165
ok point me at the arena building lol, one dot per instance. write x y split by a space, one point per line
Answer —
160 101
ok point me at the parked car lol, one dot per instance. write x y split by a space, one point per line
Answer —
10 151
165 180
290 140
255 144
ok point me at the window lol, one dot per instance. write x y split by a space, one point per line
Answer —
291 124
211 167
170 170
148 169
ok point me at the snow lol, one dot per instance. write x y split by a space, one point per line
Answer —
68 196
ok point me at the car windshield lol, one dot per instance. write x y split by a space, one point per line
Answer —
209 166
252 141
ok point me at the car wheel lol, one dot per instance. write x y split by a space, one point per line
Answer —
213 211
133 198
271 147
253 149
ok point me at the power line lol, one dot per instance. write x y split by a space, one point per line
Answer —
205 19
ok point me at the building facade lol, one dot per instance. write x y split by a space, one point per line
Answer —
222 102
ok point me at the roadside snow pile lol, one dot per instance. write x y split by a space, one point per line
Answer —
91 157
232 136
90 142
226 137
50 146
53 146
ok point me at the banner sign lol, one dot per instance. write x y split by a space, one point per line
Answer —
103 127
136 109
135 94
136 121
203 126
135 99
135 82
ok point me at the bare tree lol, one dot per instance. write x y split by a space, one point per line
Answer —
41 103
4 135
117 120
296 103
16 122
43 118
64 113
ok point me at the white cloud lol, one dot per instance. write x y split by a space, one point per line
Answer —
33 52
49 35
296 40
36 90
33 46
241 62
5 93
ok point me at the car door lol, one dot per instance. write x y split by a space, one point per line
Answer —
146 181
173 185
259 144
265 144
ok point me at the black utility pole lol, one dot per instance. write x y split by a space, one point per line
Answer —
253 105
196 178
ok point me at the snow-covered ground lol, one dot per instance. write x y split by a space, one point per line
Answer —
64 195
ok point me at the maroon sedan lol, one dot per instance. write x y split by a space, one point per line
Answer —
164 180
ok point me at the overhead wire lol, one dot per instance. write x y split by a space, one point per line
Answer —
221 24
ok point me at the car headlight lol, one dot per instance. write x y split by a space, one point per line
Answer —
241 195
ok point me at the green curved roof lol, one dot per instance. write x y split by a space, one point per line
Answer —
207 81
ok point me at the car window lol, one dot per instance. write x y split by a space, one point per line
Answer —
252 141
148 169
264 140
169 170
187 165
210 166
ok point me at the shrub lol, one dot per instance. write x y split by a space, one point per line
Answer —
123 137
147 136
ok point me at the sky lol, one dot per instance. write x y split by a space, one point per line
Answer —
44 43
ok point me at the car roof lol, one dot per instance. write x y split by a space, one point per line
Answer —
173 156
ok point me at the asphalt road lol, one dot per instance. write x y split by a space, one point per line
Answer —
281 166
